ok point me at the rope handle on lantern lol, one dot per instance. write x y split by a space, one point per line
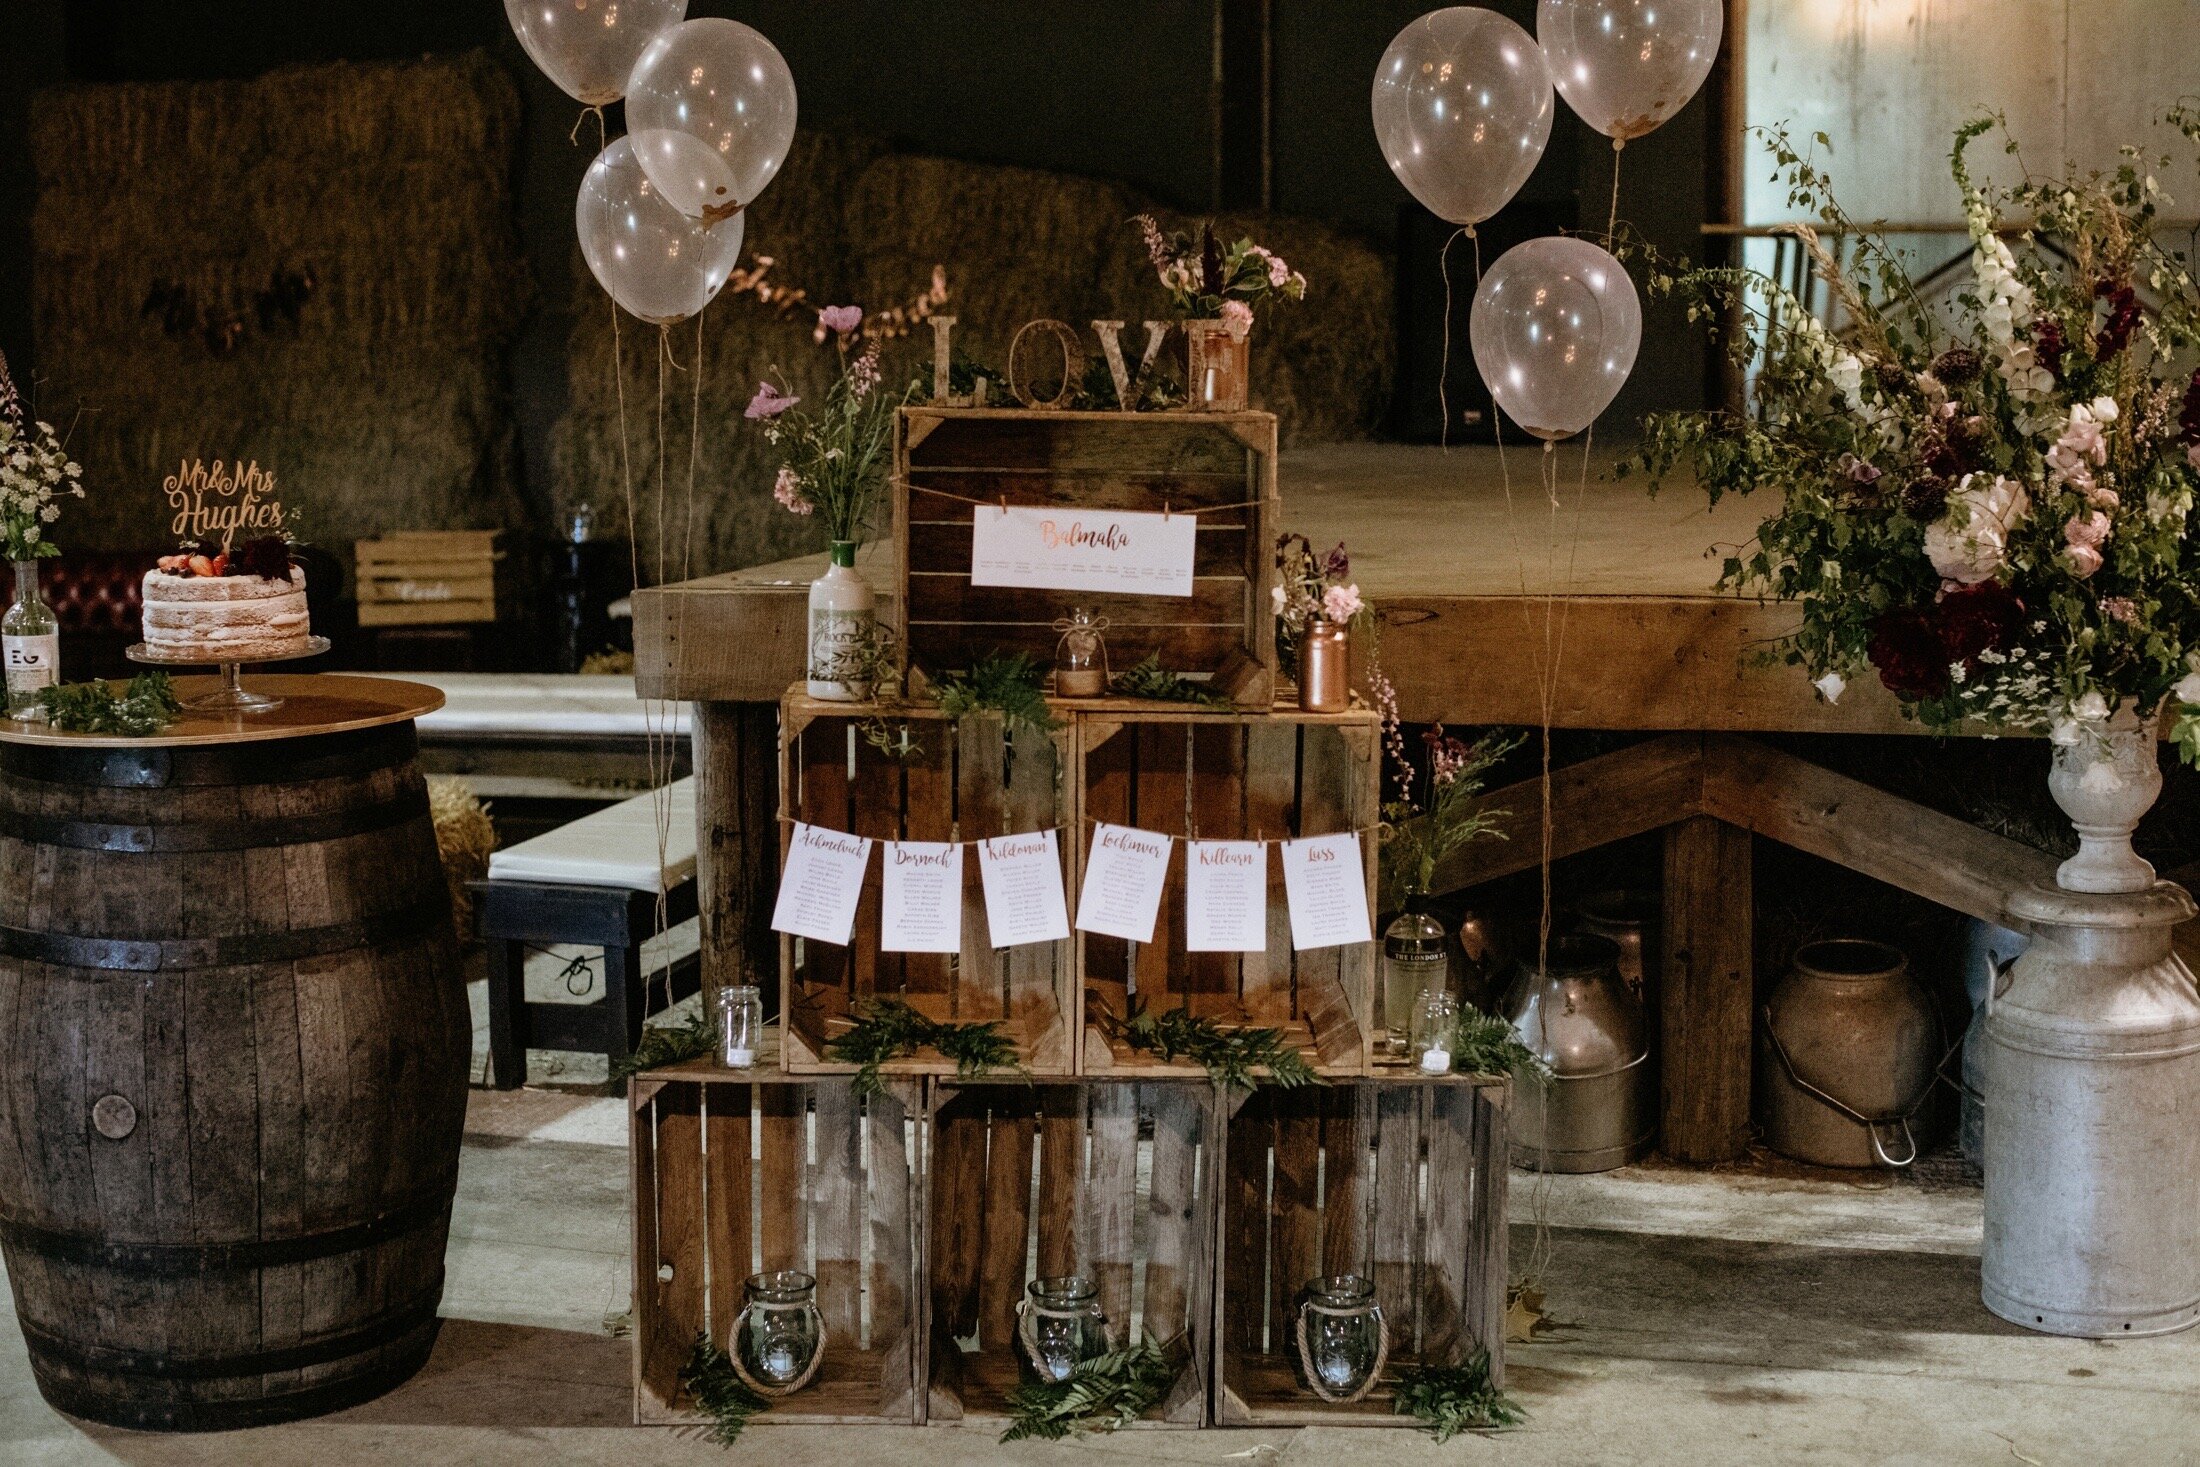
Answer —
1306 1354
809 1371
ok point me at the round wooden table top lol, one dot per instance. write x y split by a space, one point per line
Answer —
313 703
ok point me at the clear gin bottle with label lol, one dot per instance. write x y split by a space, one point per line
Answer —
30 645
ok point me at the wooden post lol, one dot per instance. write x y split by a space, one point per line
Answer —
1707 991
737 842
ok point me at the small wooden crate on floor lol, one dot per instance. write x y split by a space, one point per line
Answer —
1207 775
1401 1181
944 458
1149 1247
427 577
968 780
742 1172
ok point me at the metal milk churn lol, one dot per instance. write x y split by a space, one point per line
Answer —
1630 919
1846 1050
2093 1131
1598 1110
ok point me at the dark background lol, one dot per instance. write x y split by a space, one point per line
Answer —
1125 90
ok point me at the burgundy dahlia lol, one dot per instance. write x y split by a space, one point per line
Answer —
1907 649
267 557
2048 345
1981 618
1926 496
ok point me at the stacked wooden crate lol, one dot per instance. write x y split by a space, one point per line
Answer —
427 578
1199 1212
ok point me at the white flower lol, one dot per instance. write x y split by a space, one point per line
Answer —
1970 543
2104 409
1276 595
1831 687
2188 688
2063 732
1846 373
2091 708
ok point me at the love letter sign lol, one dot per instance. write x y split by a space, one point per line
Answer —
1119 551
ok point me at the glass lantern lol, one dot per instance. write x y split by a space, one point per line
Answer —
1343 1342
1435 1018
1081 658
780 1336
1062 1325
740 1026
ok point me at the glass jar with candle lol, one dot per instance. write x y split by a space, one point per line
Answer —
780 1336
740 1026
1343 1341
1061 1325
1435 1021
1415 960
1081 657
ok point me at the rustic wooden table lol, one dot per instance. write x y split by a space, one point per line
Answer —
1484 587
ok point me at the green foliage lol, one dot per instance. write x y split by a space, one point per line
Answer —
1230 1057
1102 1394
1150 680
1416 835
1010 684
662 1046
1483 1044
890 1030
718 1393
1450 1399
146 707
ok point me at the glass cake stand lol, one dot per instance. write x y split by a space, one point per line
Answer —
231 696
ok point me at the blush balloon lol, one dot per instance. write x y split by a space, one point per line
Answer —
589 47
655 261
711 109
1463 108
1555 330
1628 65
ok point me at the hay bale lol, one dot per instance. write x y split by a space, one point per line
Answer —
383 408
465 839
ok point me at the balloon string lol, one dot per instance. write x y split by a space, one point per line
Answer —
603 138
1443 365
1611 223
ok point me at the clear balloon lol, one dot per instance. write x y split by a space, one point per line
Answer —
1462 110
711 110
1628 65
1556 326
658 263
589 47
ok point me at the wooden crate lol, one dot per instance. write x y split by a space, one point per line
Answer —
1399 1180
738 1172
1149 1245
1230 776
1129 461
971 781
427 577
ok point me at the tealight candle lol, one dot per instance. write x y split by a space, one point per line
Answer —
1436 1060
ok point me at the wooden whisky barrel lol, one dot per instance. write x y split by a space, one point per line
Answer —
233 1045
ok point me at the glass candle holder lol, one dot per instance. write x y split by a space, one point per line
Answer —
1435 1020
1081 657
740 1026
1061 1325
1343 1341
780 1337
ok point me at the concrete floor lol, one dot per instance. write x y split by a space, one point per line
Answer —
1697 1318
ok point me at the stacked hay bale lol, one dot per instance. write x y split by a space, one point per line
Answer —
165 214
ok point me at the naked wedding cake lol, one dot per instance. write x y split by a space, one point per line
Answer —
243 605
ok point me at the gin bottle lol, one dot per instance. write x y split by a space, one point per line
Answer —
30 645
1413 963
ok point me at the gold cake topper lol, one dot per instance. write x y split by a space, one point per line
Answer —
216 500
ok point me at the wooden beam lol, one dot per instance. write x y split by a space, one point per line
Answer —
1593 803
1883 836
737 842
1707 994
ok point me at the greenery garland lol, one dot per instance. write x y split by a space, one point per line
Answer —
1450 1399
1151 681
718 1393
662 1046
1230 1056
890 1030
1483 1044
1105 1393
1008 684
144 708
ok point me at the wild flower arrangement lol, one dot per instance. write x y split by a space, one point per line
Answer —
1989 504
1209 281
36 474
1417 833
836 455
1313 589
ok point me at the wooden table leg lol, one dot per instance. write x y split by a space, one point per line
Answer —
737 841
1707 998
625 1000
507 1012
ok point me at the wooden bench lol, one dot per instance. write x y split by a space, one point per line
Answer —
597 882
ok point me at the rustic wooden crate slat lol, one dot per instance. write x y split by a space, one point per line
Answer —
1220 775
944 458
427 577
970 781
991 1221
1410 1193
737 1172
425 613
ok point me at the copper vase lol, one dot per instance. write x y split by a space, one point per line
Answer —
1218 367
1325 681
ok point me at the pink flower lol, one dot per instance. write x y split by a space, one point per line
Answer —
1341 603
2120 608
864 375
769 402
787 489
1157 246
2083 536
840 319
1238 316
1279 274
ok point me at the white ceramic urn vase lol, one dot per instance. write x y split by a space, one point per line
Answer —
843 613
2106 775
